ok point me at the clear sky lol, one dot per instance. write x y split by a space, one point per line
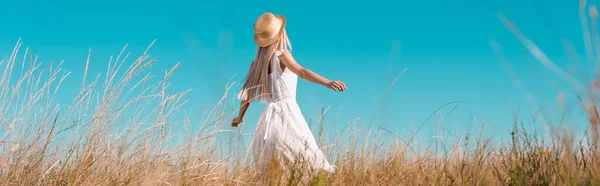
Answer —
445 46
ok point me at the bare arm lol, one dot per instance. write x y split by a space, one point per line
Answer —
243 107
287 59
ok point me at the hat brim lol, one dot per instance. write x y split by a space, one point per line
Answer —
269 42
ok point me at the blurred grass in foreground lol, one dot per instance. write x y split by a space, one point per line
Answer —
118 131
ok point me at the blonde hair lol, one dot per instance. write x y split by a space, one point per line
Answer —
257 83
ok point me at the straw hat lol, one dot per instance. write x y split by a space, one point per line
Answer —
268 28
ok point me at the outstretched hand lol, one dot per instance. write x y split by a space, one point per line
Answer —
236 121
337 86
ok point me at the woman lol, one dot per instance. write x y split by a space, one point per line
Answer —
282 132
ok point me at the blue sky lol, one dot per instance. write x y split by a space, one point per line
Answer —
445 45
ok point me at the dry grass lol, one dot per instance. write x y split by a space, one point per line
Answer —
118 131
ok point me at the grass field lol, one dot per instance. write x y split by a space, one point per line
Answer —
118 131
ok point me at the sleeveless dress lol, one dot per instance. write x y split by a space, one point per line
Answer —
282 131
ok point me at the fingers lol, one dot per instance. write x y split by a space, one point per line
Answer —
335 86
338 86
236 122
342 86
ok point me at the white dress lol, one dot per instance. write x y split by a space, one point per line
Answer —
282 130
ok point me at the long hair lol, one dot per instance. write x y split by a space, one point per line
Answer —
256 83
